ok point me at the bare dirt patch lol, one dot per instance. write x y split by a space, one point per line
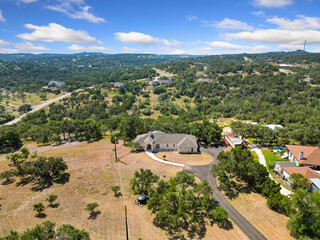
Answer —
93 172
187 159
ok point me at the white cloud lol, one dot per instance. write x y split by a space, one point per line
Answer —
135 37
27 46
272 3
56 32
2 43
6 50
27 1
178 52
191 17
228 23
78 48
278 36
76 9
224 45
173 43
259 48
217 45
2 19
302 23
133 50
259 13
143 39
290 47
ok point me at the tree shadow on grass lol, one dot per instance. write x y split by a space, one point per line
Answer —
56 205
41 215
63 179
192 231
235 189
9 181
24 181
94 215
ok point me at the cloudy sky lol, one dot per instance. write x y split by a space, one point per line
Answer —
165 27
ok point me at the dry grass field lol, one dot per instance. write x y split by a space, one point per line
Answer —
93 172
254 208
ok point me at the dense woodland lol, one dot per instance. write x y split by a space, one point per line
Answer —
244 86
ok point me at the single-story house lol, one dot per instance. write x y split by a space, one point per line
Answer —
232 140
304 171
279 166
273 126
308 80
56 84
161 141
118 84
304 155
161 82
205 80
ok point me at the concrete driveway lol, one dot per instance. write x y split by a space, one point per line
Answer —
204 172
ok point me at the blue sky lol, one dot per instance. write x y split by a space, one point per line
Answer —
163 27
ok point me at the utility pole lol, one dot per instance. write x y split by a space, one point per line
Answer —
127 234
115 144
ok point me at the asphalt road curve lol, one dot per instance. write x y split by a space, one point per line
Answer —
203 172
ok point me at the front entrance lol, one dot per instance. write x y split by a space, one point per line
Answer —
149 147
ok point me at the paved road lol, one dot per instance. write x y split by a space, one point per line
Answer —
36 108
203 172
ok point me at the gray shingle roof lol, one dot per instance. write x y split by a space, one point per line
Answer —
182 140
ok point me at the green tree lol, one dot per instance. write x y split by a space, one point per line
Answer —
142 181
25 108
48 231
91 208
51 199
39 208
7 175
299 181
220 215
116 190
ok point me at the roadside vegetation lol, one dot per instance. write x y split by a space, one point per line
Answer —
237 172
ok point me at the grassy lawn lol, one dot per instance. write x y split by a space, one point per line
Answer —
271 158
93 172
255 156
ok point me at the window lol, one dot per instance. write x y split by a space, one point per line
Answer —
157 145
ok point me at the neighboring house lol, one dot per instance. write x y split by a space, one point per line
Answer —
56 84
160 141
232 140
304 171
308 80
205 80
161 82
304 155
315 186
279 166
273 126
118 84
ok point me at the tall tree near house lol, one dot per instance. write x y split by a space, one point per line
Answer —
142 181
